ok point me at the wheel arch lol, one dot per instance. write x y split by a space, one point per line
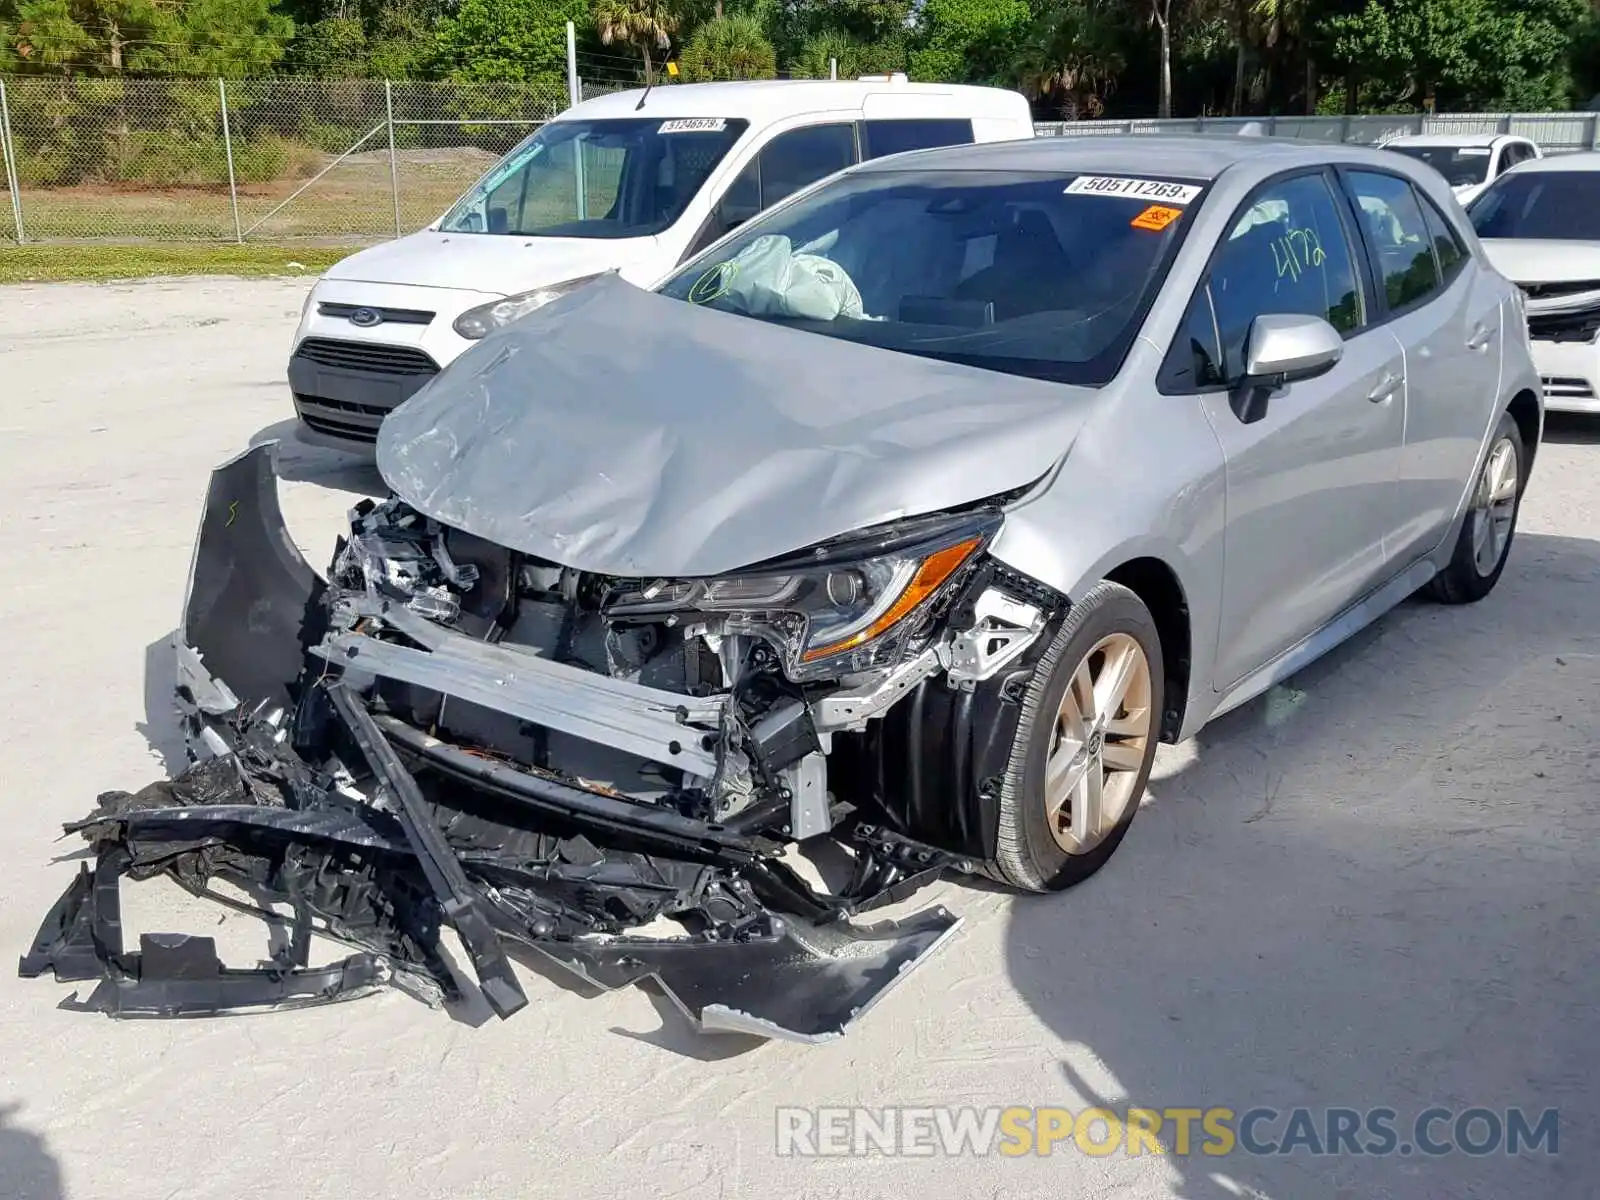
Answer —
1528 413
1157 585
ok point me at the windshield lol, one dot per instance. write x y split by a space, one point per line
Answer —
597 179
1542 205
1461 166
1046 276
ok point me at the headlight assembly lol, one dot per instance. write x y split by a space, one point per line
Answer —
841 607
479 322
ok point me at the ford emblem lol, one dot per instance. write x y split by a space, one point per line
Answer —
366 318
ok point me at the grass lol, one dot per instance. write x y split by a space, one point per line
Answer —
102 261
355 200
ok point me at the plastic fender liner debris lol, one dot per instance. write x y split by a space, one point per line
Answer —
173 975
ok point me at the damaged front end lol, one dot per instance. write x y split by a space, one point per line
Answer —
611 771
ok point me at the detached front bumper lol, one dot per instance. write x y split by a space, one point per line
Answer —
417 833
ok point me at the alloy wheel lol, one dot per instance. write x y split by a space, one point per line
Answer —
1097 748
1494 507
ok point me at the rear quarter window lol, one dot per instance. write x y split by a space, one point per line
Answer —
879 138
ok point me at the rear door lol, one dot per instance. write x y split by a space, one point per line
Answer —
1446 314
1311 483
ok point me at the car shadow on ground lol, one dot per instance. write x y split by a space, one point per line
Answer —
1373 887
301 462
28 1169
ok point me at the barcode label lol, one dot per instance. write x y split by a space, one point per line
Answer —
694 125
1134 189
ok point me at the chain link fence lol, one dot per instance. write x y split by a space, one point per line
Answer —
241 160
345 161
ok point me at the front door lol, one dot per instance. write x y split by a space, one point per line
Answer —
1311 481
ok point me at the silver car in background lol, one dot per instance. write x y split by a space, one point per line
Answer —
910 516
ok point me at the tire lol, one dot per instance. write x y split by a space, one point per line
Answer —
1030 854
1475 566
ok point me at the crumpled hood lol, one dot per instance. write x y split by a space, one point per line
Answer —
623 432
482 262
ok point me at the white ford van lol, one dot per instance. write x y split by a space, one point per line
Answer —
630 181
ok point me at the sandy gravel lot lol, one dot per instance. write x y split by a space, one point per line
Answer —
1374 888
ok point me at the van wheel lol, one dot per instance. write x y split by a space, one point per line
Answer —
1491 521
1084 744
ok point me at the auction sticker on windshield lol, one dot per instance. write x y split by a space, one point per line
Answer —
694 125
1134 189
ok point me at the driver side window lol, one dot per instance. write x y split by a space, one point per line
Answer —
1287 252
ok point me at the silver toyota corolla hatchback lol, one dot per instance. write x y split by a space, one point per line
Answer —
911 516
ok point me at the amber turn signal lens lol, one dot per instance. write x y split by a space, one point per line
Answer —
935 569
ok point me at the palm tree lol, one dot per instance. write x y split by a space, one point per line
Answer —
1161 14
641 23
1284 21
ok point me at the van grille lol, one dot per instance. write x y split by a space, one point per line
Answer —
367 356
389 316
1564 327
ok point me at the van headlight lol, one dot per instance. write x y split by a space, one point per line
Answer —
479 322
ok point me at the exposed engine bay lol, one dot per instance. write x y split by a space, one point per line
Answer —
447 732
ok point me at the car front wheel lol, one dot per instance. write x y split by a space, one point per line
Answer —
1084 744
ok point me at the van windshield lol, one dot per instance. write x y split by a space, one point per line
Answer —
1462 166
624 178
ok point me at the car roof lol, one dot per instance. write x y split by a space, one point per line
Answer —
1200 157
1453 139
768 99
1584 160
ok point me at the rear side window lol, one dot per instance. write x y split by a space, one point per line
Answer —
1287 253
800 157
1446 245
1399 236
879 138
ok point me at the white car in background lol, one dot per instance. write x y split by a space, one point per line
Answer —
1540 225
633 182
1469 162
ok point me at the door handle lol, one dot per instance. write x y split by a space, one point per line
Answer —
1386 388
1480 339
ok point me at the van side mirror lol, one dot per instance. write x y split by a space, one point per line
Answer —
1283 348
499 222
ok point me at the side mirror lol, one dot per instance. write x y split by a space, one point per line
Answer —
1284 347
499 220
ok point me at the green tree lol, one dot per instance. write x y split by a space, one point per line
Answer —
1073 55
854 56
728 47
1459 54
643 24
968 40
514 41
333 48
